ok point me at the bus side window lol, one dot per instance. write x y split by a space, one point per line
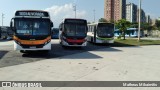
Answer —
92 29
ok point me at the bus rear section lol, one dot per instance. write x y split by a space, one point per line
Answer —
32 30
101 33
73 32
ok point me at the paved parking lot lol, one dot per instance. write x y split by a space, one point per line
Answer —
93 63
10 57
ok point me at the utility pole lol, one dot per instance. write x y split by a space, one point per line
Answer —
139 26
75 9
2 18
94 12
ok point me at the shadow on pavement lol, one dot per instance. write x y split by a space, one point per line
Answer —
116 44
16 58
4 40
59 51
2 53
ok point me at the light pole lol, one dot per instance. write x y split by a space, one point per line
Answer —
139 26
94 11
2 18
75 9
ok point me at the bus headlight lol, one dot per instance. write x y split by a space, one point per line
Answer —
64 38
85 40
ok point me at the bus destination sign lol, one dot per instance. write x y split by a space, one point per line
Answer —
75 21
29 13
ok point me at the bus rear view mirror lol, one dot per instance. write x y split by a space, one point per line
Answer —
12 25
60 29
52 24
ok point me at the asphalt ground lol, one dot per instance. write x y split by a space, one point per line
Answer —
9 57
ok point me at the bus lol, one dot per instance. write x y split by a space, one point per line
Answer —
73 32
131 32
55 33
32 30
4 32
101 32
0 33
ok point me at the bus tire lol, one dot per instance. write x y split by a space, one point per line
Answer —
60 42
91 40
45 51
23 51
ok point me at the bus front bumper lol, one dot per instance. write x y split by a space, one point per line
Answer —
75 45
45 47
104 41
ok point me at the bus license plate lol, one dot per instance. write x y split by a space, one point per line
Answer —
32 47
105 41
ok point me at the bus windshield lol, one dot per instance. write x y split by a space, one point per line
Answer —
32 26
79 30
105 30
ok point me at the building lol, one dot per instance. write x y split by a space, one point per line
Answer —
114 10
131 12
148 19
153 22
143 16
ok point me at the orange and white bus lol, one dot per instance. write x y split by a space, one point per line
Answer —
32 30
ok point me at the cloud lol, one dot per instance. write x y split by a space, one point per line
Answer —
58 13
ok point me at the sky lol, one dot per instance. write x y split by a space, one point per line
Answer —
60 9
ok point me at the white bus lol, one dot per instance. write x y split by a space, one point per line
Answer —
101 32
32 30
73 32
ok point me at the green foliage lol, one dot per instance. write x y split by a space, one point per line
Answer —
144 26
112 21
133 42
102 20
157 23
134 25
122 25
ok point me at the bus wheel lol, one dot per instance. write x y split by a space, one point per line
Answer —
45 51
23 51
91 40
60 42
65 47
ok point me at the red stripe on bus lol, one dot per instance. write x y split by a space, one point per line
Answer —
75 41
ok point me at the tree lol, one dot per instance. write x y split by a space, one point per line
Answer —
112 21
122 25
134 25
102 20
157 24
